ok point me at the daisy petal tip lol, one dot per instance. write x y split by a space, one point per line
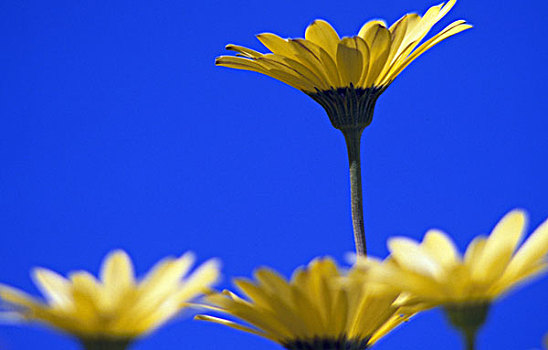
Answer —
396 241
519 215
37 271
116 254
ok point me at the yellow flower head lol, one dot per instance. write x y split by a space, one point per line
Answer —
314 310
116 307
346 75
433 272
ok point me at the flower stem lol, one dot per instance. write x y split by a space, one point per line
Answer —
352 137
470 339
467 319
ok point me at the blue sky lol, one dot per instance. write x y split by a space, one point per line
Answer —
117 131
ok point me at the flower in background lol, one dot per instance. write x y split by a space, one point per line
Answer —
346 76
112 312
320 308
434 273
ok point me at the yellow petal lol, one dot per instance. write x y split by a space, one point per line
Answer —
400 37
88 301
203 277
265 319
322 34
276 45
55 288
307 53
253 292
508 282
379 41
373 313
350 59
428 20
273 281
366 28
392 323
300 73
446 8
417 29
313 320
409 255
452 29
244 51
474 251
499 247
533 250
266 66
240 63
18 298
326 62
233 296
339 312
416 283
117 274
400 47
287 75
232 325
164 278
441 248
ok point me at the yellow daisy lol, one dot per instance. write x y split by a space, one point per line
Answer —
326 67
434 273
320 308
346 76
111 312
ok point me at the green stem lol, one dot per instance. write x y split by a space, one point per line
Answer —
467 319
470 339
352 137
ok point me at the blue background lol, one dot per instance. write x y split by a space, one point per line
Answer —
117 131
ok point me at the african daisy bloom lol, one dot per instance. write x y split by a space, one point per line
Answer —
112 312
346 76
434 273
315 310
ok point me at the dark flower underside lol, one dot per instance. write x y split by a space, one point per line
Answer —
467 315
348 108
467 318
105 343
327 344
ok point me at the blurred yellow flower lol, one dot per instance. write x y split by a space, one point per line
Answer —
318 309
434 272
354 70
117 308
